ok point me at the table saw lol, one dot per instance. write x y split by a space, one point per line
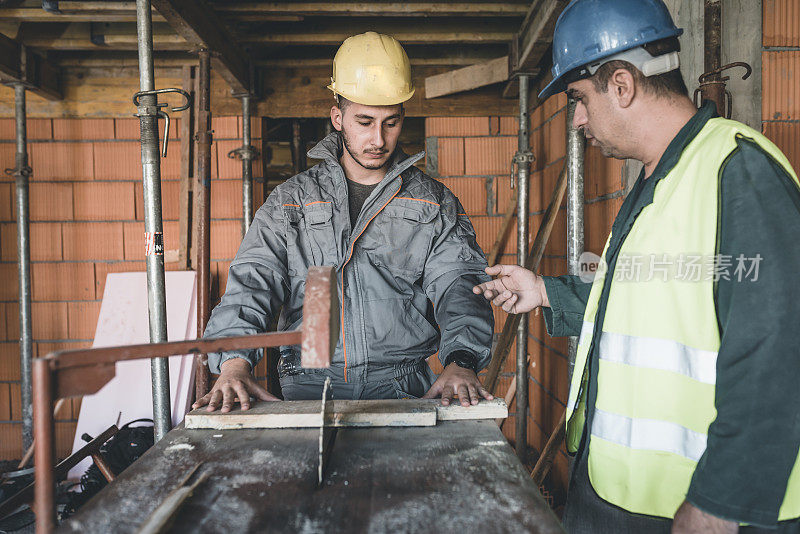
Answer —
295 466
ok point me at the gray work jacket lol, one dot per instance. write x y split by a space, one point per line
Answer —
405 271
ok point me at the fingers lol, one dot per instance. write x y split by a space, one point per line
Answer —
202 401
463 395
243 394
228 398
501 298
508 305
473 394
489 289
501 270
485 393
447 395
215 400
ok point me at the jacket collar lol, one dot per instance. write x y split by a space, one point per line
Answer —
330 149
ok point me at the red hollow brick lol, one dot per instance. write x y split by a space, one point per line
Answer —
83 129
103 201
8 290
5 402
62 161
82 317
9 361
170 200
488 155
10 440
63 281
456 126
93 241
225 239
51 202
226 199
226 127
45 242
118 160
49 320
6 202
451 157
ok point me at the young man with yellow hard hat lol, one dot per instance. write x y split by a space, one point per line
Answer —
404 251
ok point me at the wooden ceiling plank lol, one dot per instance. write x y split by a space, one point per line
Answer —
20 64
195 21
389 9
467 78
535 35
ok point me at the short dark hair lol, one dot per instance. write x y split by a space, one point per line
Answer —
662 85
342 103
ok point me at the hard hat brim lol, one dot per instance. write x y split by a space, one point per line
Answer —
375 101
557 85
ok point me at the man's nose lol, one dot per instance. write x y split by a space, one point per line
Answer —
579 119
377 136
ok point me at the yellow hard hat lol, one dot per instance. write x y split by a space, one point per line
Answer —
372 69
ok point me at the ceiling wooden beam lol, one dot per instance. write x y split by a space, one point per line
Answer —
384 9
464 79
20 64
195 21
535 35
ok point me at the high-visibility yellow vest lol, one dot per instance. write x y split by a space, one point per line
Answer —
657 351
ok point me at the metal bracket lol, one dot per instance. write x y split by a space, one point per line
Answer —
520 157
244 152
145 110
713 77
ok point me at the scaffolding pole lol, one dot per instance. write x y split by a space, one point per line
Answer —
202 190
247 167
22 174
576 144
522 159
148 112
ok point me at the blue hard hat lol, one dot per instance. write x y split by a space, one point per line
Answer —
590 30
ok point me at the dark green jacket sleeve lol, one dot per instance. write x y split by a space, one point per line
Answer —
753 442
568 296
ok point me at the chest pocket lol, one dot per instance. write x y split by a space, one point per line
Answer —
321 237
399 238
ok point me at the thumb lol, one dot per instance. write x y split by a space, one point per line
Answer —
500 270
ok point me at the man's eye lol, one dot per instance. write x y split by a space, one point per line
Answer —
391 124
364 123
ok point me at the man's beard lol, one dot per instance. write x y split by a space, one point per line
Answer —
372 167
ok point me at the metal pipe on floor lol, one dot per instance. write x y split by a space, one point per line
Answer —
523 163
203 199
576 144
22 174
148 112
247 167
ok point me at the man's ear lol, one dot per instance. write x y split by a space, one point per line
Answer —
622 87
336 118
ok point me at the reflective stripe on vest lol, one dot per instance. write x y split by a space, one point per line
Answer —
648 434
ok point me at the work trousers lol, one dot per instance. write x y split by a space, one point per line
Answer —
404 381
587 513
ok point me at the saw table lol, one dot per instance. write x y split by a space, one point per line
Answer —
456 475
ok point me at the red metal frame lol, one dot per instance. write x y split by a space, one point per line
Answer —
81 372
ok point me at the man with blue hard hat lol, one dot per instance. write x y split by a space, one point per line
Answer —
684 407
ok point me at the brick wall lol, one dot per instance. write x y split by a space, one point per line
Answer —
781 76
87 221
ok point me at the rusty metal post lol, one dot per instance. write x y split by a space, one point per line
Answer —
22 174
148 112
523 163
44 449
712 53
298 154
203 199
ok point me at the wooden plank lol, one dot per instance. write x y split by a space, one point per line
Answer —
536 35
195 21
467 78
20 64
187 172
485 409
304 414
346 413
254 10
